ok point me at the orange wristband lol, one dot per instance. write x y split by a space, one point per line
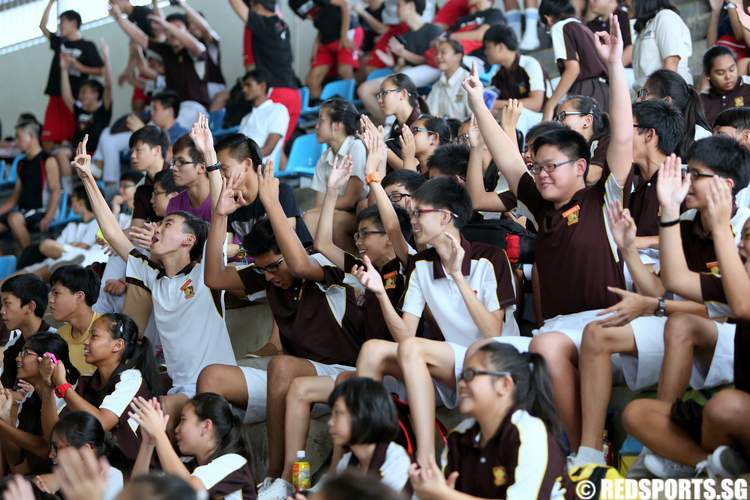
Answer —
373 177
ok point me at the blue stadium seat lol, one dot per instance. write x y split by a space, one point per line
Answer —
379 73
64 214
337 88
303 157
216 118
8 178
7 266
486 77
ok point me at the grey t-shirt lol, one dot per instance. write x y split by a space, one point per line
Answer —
418 42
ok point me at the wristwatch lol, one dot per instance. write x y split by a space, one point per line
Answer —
661 308
215 166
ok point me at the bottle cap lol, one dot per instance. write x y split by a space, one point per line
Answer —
301 454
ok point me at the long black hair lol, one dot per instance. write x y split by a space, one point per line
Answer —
342 111
227 427
588 105
533 391
80 428
55 344
373 414
646 10
403 82
666 83
437 126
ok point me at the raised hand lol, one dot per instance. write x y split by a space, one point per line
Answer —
80 474
509 116
369 277
429 482
230 198
82 161
104 47
340 174
201 135
114 10
46 368
474 88
475 136
621 225
719 208
408 146
609 46
7 401
451 253
19 488
268 184
150 417
631 306
671 187
142 236
743 16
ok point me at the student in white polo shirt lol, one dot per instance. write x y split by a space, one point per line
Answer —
468 288
267 123
188 315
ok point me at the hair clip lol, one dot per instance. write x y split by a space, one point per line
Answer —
53 359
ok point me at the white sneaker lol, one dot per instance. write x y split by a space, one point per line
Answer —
530 40
638 470
725 461
274 489
665 468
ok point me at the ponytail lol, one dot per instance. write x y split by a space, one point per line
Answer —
403 82
342 111
533 389
227 426
588 105
437 126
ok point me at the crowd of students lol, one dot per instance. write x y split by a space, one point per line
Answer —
509 252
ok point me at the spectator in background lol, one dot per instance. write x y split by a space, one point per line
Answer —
601 10
727 88
189 169
36 194
725 29
268 122
83 60
663 41
447 99
203 31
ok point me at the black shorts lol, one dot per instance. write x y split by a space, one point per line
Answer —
33 217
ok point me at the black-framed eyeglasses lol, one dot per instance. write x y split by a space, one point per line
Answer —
382 93
548 168
270 268
562 115
158 193
179 163
470 374
416 130
419 212
397 196
697 174
360 235
642 93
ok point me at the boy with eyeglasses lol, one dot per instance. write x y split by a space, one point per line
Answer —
399 186
189 170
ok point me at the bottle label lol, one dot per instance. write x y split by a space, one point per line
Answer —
301 475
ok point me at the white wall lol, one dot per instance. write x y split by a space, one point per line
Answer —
24 73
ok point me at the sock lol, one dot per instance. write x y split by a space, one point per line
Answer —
532 15
588 455
514 21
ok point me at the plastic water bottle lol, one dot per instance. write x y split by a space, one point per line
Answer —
301 472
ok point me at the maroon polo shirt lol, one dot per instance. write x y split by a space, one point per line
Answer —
574 259
579 46
599 146
305 315
714 102
644 206
697 245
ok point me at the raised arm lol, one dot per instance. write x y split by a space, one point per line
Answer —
66 92
218 275
107 221
195 17
135 33
503 150
107 97
480 199
52 171
194 46
294 253
45 19
341 172
620 150
241 9
204 142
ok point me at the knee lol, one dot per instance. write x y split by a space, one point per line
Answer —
371 354
632 416
365 91
281 373
211 379
727 406
596 339
553 347
410 351
297 393
678 328
346 71
16 220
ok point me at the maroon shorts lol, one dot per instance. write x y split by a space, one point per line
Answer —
332 55
59 121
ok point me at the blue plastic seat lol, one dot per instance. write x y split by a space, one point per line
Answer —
8 178
64 214
303 157
379 73
339 88
216 118
486 77
7 265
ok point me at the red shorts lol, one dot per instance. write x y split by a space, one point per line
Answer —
468 45
451 11
382 44
248 58
292 101
332 55
59 121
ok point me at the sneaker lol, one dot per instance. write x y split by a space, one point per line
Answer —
665 468
638 470
725 461
274 489
530 39
74 260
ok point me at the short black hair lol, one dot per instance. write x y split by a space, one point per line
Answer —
168 99
260 239
266 4
419 5
569 142
371 213
447 194
257 75
195 226
738 118
78 279
132 176
240 148
177 16
30 126
437 125
152 136
27 288
410 179
354 484
94 84
450 159
725 156
80 192
712 54
72 15
501 33
165 178
556 9
373 413
665 119
541 128
186 142
342 111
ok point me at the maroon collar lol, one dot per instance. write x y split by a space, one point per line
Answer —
437 266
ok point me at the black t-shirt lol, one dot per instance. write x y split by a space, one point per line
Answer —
142 208
473 21
241 222
368 42
325 16
181 73
419 41
92 124
33 176
272 49
139 17
82 50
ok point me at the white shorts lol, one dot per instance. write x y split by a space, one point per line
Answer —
187 389
256 381
721 371
571 325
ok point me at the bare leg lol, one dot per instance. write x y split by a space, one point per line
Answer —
346 71
17 224
648 421
51 248
725 420
302 394
366 93
422 360
282 372
314 80
599 343
172 406
562 362
225 380
377 358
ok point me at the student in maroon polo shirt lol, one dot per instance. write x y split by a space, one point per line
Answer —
727 88
573 244
716 441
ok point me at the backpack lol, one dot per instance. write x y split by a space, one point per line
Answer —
516 240
406 436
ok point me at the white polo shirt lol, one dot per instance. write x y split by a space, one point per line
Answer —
188 315
663 36
351 146
268 118
448 97
485 268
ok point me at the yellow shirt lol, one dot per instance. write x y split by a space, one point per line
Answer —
75 346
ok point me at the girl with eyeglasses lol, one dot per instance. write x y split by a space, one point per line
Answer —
23 443
582 114
421 139
509 447
125 369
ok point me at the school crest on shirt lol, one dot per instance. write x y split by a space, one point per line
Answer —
739 102
713 268
187 289
389 280
498 473
571 215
